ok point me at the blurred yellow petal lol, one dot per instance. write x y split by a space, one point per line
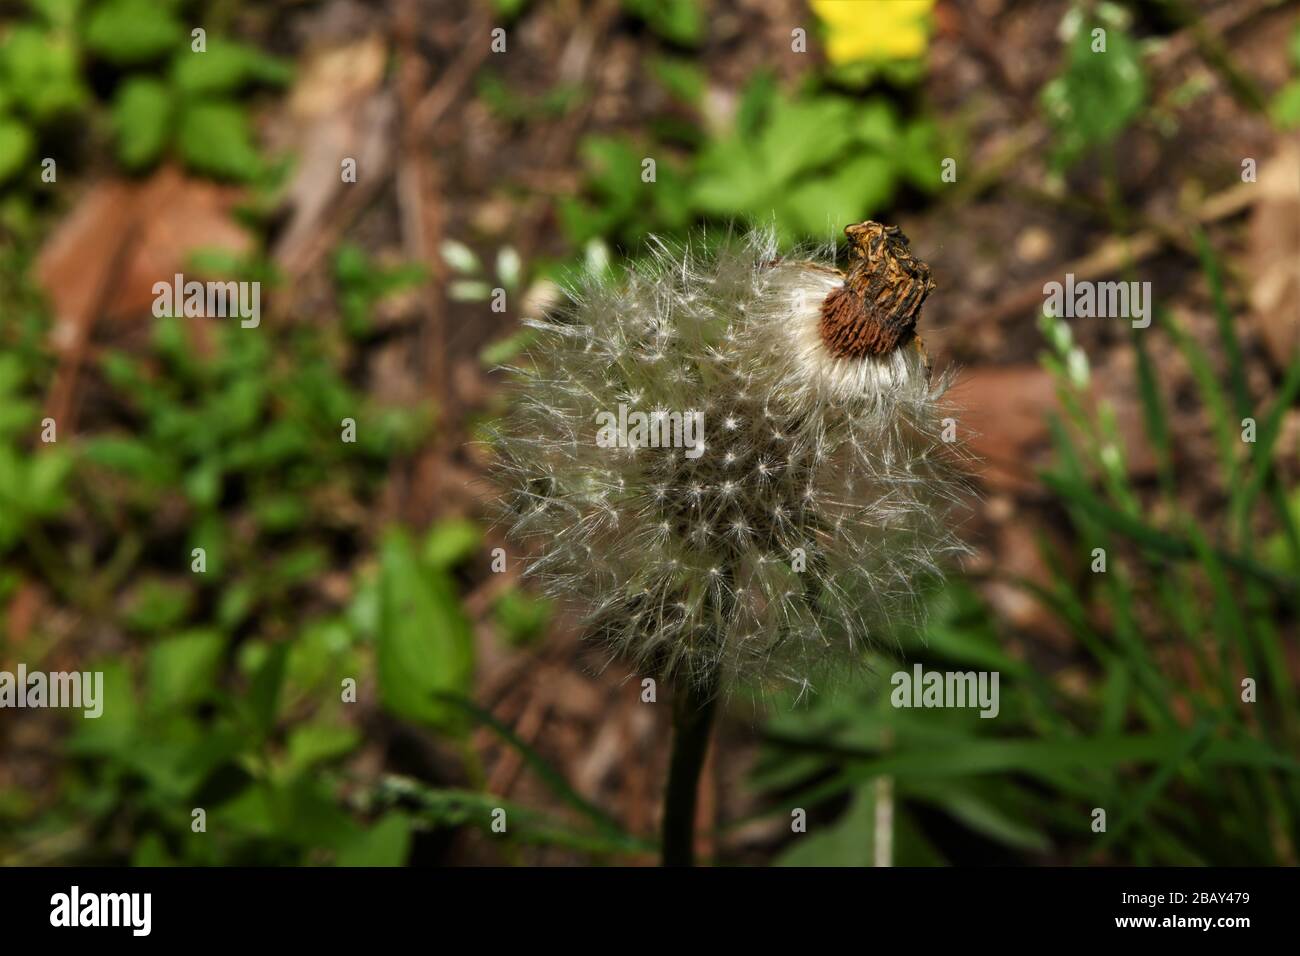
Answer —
874 29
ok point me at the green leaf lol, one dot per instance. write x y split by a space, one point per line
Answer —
311 744
755 104
113 730
450 542
1098 94
452 808
802 135
141 118
551 777
225 67
681 21
876 124
1157 541
731 178
183 670
980 814
520 617
16 143
857 189
57 13
918 156
215 138
425 645
264 695
41 73
498 353
133 31
682 78
849 841
1285 108
157 604
387 843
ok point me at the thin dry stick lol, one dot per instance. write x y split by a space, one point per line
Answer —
1115 254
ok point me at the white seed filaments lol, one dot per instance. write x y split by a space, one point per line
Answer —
684 564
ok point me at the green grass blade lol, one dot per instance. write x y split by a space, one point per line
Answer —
553 779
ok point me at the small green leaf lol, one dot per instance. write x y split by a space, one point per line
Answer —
215 138
387 843
520 617
133 31
182 670
310 744
450 542
114 729
1099 93
41 73
681 21
157 604
141 117
1285 108
682 78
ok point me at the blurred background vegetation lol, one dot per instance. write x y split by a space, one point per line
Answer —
348 682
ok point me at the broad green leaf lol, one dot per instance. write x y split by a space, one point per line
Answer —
801 135
849 841
823 205
875 123
425 645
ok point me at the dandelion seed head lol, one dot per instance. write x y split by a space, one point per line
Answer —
684 563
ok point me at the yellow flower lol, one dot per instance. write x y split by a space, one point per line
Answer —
874 29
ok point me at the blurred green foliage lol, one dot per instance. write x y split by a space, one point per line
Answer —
1285 108
1102 87
806 163
230 695
165 94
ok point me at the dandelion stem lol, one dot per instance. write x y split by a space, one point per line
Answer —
693 706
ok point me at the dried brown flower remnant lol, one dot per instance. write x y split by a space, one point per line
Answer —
877 308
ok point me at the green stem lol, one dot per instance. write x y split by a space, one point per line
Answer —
694 703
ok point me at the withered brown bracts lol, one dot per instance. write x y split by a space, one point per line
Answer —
877 308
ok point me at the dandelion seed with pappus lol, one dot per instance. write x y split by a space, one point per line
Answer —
802 526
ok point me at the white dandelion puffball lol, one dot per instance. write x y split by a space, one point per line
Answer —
733 463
